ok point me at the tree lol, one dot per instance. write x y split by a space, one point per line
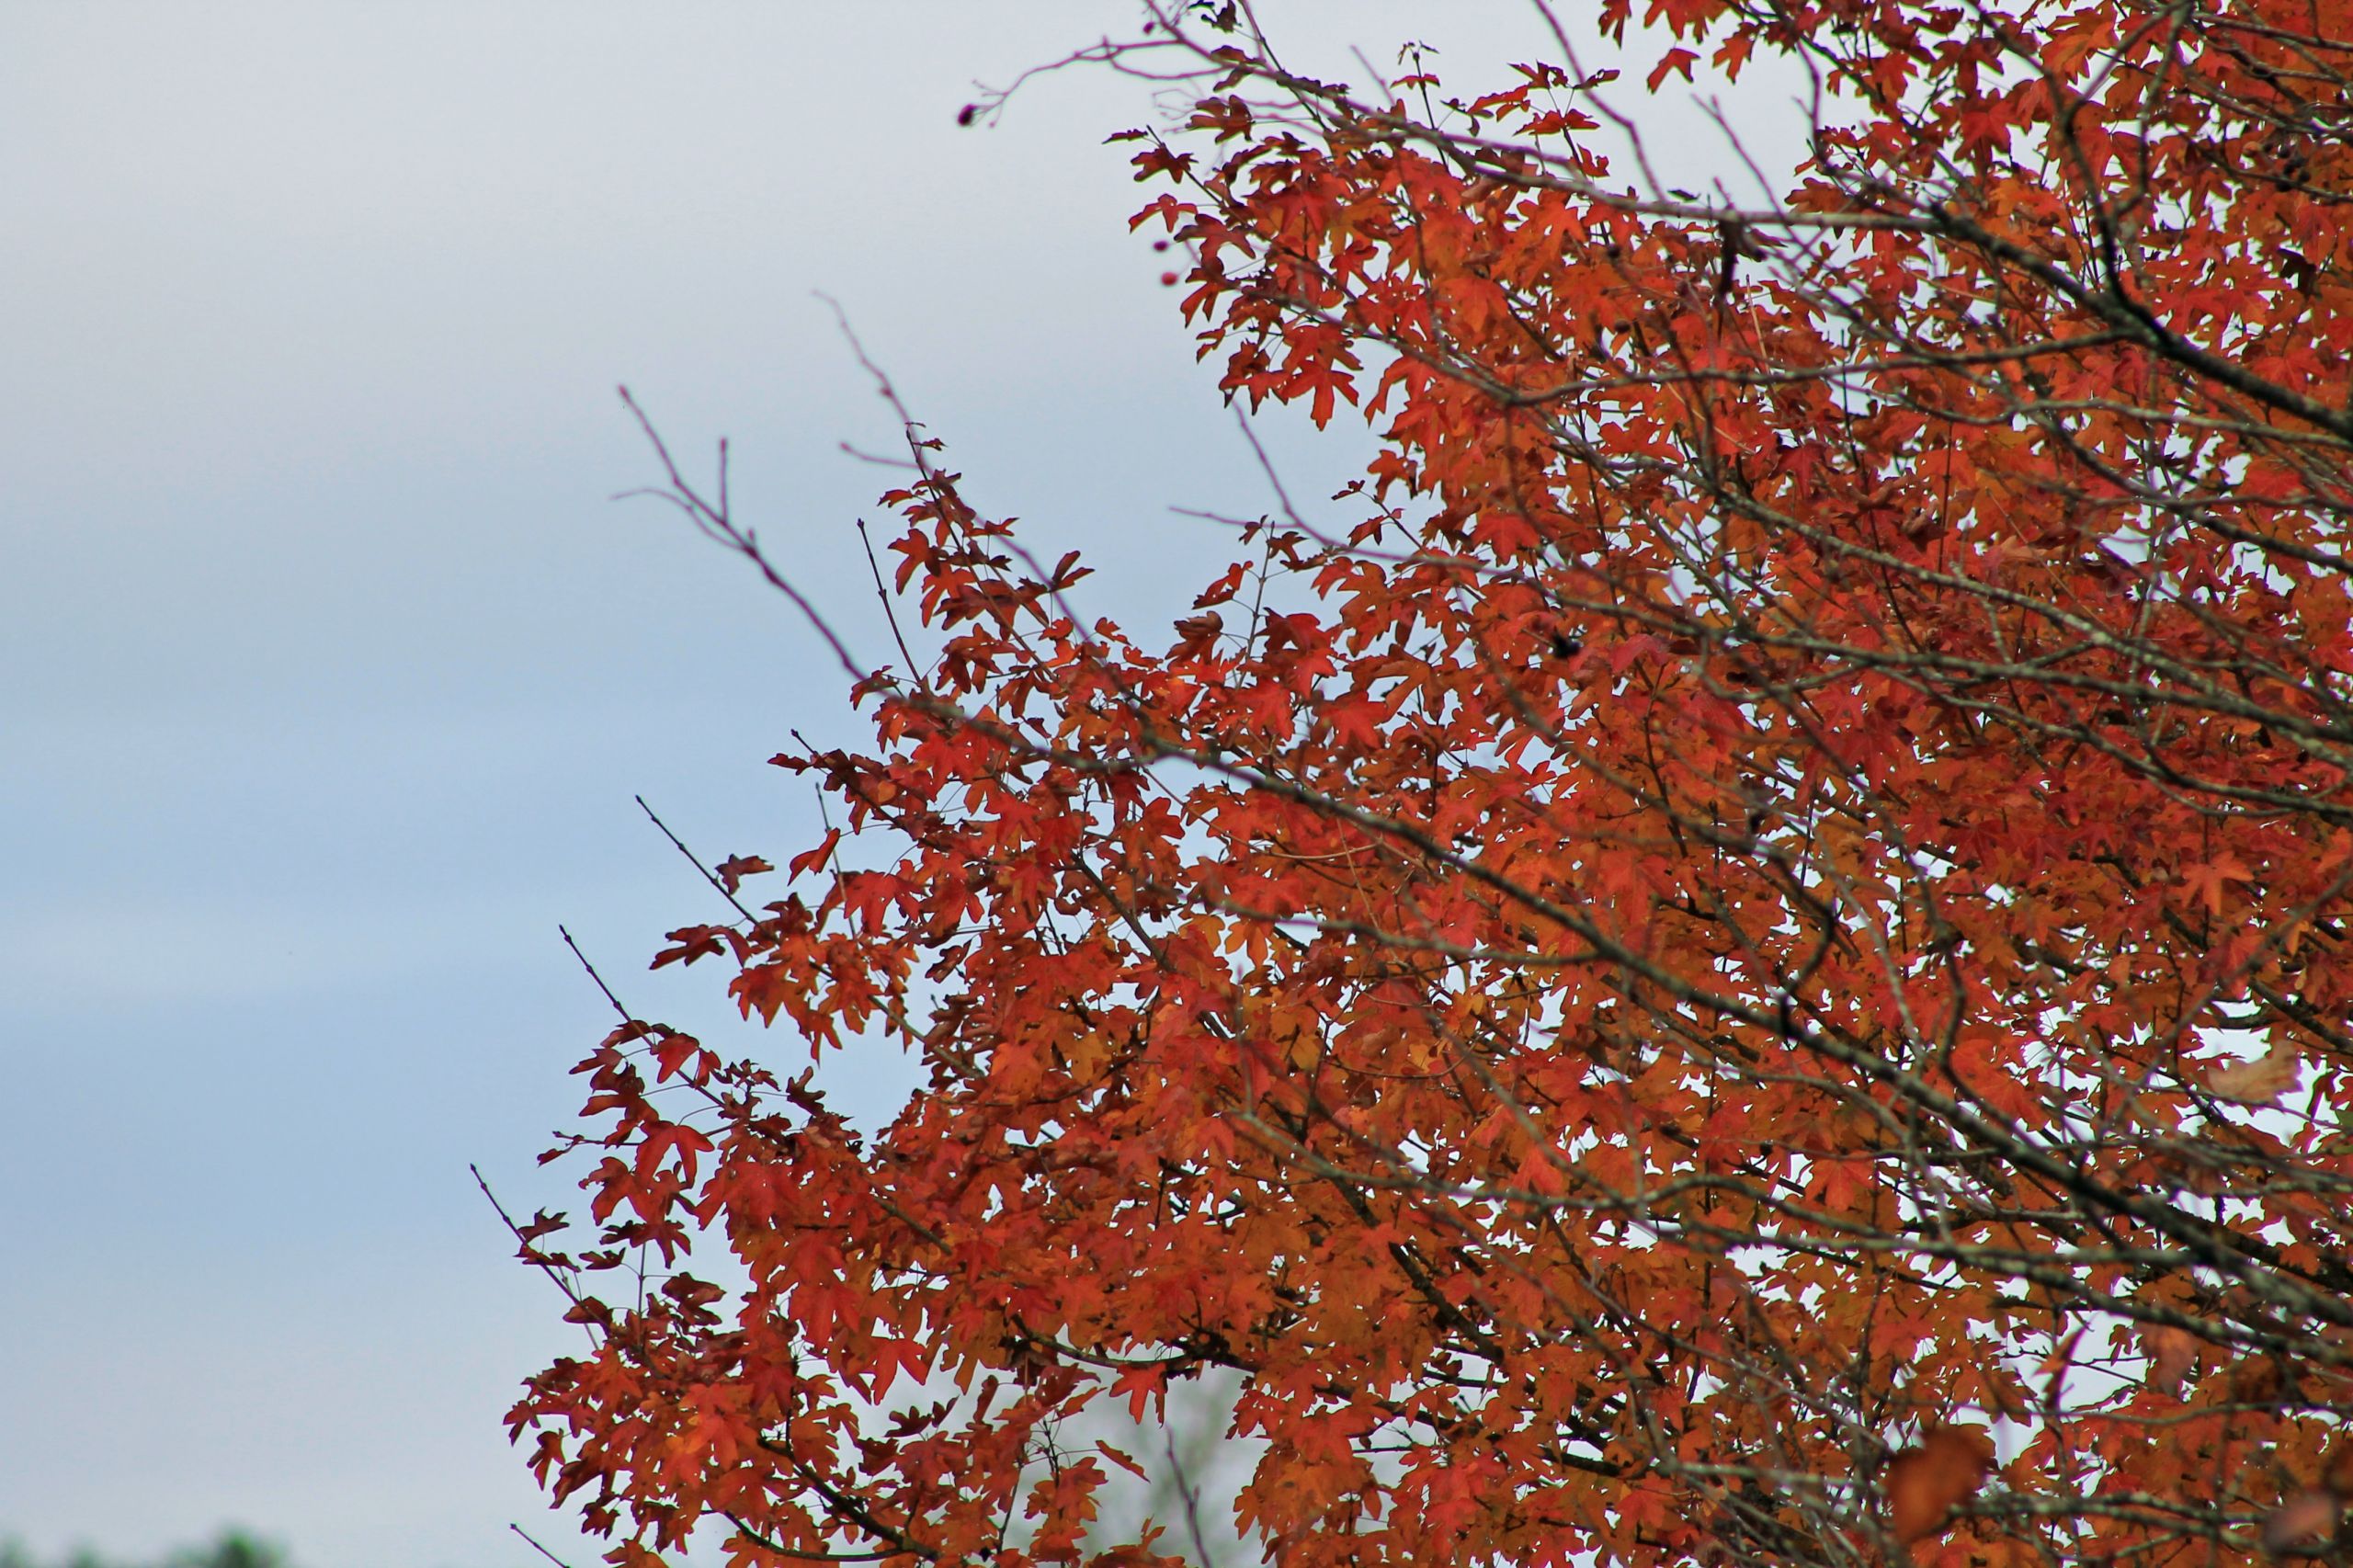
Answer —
1745 961
232 1549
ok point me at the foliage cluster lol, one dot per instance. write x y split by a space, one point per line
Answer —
1739 955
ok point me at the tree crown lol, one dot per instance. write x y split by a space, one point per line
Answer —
1744 961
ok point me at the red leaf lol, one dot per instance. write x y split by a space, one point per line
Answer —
1674 60
1223 589
736 868
809 859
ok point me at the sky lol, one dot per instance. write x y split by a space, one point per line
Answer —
331 669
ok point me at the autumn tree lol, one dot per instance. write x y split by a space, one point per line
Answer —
1738 956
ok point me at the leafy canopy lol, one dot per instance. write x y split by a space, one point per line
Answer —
1739 955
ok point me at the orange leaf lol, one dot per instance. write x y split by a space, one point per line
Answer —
2172 1352
2210 878
1122 1460
1923 1485
2258 1082
2306 1521
2254 1382
2337 1474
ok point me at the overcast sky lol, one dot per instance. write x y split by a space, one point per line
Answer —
328 669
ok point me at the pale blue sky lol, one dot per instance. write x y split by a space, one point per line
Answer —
327 670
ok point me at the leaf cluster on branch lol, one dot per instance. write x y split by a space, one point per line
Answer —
1745 962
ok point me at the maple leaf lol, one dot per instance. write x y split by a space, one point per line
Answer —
2259 1082
2211 879
736 868
2303 1524
2172 1352
1924 1482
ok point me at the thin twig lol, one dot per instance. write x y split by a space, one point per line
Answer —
531 1253
627 1017
725 890
889 613
542 1550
